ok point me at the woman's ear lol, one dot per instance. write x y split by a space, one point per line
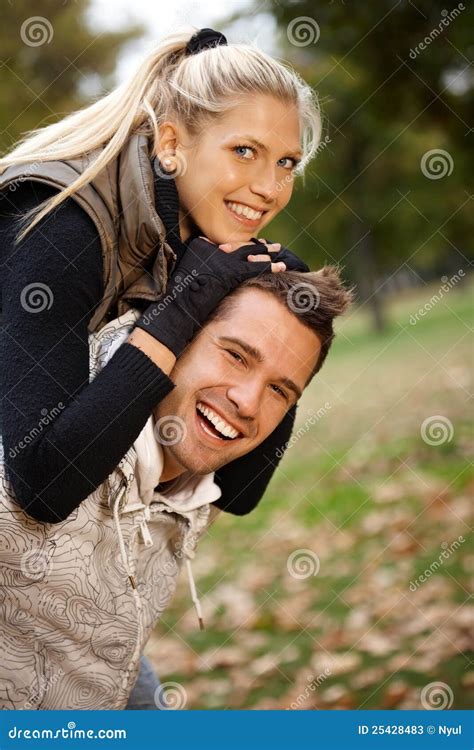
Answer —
168 140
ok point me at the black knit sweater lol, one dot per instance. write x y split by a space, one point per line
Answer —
62 436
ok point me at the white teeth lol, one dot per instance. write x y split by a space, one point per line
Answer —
238 208
220 425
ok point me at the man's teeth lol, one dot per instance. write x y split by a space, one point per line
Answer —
221 426
240 209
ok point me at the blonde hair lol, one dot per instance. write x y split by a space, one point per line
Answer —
168 84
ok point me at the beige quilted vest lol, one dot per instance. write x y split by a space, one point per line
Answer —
120 202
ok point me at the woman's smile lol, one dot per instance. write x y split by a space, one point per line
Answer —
244 214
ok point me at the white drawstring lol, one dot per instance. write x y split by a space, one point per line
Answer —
194 595
123 551
147 538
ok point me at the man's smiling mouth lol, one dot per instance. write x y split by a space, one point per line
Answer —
214 425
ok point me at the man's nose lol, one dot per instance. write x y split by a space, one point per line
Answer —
247 398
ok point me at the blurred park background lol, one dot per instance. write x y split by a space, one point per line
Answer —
349 586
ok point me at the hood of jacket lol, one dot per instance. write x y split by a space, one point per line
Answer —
120 202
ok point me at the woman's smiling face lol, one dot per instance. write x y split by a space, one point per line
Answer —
238 175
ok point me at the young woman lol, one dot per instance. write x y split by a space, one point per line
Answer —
95 212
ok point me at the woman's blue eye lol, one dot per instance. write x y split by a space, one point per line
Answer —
244 148
294 162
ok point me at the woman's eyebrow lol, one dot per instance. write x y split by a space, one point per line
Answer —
297 153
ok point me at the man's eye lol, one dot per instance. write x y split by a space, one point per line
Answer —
279 391
235 355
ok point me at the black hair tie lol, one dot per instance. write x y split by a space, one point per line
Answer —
204 39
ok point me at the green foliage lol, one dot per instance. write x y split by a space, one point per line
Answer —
49 56
366 202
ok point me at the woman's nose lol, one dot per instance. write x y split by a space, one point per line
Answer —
265 184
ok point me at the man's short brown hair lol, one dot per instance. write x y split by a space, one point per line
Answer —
315 297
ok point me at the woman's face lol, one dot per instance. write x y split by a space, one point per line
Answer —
238 175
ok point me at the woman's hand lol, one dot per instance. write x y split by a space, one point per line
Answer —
203 277
272 247
276 253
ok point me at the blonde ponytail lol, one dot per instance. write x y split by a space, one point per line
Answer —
168 84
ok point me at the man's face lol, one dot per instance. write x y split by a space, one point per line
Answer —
242 372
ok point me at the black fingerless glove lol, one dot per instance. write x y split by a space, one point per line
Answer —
203 277
292 262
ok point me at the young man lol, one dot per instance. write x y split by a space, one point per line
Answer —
83 595
246 367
